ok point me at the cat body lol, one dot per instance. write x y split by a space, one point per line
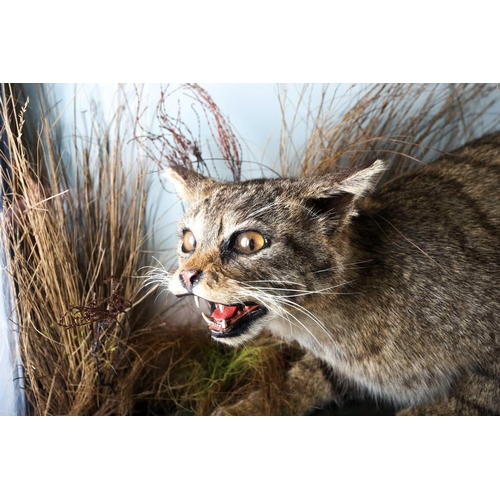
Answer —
393 289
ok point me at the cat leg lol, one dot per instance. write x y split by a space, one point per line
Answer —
478 394
309 383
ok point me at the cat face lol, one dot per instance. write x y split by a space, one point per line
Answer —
261 250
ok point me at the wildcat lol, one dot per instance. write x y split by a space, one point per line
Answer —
394 290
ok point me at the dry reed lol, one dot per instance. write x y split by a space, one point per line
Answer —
68 235
405 124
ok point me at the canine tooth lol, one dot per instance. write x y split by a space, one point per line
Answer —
221 307
206 318
224 324
197 301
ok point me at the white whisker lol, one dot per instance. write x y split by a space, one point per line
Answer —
270 302
270 281
263 209
156 277
309 315
301 293
354 264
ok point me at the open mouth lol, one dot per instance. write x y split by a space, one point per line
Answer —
230 320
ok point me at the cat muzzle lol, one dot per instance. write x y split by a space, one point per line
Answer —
190 277
230 320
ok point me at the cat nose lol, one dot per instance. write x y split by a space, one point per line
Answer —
189 278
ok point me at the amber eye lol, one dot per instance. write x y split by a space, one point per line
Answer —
249 242
188 242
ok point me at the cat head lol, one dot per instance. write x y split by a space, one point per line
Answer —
264 249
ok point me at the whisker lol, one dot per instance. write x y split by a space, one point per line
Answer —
309 315
281 312
354 264
277 301
155 277
263 209
271 281
301 293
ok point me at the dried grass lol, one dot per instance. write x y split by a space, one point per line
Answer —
67 237
405 124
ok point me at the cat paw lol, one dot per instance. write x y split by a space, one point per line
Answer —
408 412
253 405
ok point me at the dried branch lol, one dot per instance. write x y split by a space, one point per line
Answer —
176 144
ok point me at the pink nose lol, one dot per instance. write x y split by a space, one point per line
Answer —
189 278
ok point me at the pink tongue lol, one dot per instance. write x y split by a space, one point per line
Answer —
229 312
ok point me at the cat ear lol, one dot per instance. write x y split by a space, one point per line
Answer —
335 195
363 179
188 183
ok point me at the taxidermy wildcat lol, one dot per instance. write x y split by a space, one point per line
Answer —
395 290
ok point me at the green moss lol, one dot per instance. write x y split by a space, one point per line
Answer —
215 374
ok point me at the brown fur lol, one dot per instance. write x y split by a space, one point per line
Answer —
394 290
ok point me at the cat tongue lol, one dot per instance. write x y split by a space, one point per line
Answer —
226 312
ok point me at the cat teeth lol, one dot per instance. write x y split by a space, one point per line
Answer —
221 308
197 301
222 323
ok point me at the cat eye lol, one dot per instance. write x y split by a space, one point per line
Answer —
188 242
248 242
